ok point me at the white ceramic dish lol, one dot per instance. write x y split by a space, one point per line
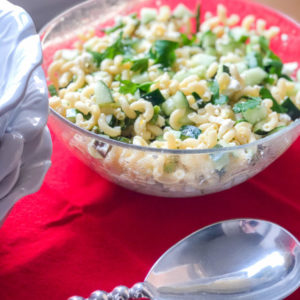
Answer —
26 147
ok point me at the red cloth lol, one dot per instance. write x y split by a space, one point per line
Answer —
80 232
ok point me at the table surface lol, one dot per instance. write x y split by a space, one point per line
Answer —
80 232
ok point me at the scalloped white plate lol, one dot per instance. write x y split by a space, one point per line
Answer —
25 142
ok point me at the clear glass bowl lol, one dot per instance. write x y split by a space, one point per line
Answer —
149 170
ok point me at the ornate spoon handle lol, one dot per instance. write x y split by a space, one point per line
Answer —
121 292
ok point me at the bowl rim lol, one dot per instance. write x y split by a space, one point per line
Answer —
48 27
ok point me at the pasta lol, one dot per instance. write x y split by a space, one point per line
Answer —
153 80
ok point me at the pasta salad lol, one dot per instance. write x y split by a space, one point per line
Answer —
163 79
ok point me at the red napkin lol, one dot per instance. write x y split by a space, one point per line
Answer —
80 232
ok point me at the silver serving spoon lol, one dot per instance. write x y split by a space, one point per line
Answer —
235 259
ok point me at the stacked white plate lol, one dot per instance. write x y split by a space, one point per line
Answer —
25 143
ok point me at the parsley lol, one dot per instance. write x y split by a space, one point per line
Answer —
266 94
189 131
264 44
221 100
163 52
252 102
154 97
120 46
186 41
114 28
129 87
216 97
140 65
52 90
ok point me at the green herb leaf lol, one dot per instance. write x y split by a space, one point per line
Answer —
225 69
198 16
155 97
145 87
264 44
120 46
291 108
128 87
200 103
288 78
186 41
240 121
163 52
215 89
52 90
157 110
266 94
114 28
221 100
251 102
123 139
140 65
189 131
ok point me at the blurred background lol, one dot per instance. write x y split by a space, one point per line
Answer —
43 11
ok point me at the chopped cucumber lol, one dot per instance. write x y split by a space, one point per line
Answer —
102 93
140 78
181 11
255 114
71 114
148 15
208 39
291 108
203 59
177 101
182 74
254 76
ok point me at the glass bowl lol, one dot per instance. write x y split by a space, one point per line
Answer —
150 170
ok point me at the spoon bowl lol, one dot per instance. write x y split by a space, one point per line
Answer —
234 259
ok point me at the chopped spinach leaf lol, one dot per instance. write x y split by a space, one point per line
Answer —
52 90
291 108
251 102
140 65
189 131
266 94
163 52
155 97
